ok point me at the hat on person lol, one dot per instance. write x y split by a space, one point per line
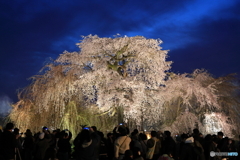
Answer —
189 140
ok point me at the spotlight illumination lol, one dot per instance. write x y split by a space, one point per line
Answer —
212 123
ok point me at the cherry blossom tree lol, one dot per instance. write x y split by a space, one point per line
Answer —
195 100
111 80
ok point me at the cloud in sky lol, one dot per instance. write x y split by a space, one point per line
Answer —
199 33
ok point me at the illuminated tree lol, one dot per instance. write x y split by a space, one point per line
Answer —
119 79
197 99
106 75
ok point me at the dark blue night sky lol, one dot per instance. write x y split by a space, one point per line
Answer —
198 33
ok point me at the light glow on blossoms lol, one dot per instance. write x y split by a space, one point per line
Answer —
216 122
213 123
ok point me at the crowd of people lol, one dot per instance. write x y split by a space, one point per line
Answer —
120 144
